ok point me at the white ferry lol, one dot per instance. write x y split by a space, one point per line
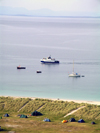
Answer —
49 60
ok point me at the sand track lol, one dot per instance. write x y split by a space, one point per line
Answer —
74 111
23 106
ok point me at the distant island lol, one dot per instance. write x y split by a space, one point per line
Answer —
20 11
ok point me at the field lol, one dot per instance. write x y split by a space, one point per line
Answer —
54 110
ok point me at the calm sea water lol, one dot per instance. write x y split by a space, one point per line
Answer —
25 40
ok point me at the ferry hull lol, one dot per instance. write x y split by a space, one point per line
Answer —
50 62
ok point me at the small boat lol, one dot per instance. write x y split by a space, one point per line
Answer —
73 74
49 60
83 76
19 67
38 71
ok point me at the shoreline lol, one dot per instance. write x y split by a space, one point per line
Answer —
54 99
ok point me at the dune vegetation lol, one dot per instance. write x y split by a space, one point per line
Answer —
55 110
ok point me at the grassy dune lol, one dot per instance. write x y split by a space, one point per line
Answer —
55 110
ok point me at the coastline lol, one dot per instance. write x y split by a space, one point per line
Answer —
76 101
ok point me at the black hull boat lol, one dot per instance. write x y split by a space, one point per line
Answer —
19 67
38 71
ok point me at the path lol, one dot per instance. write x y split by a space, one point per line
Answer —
23 106
74 111
40 107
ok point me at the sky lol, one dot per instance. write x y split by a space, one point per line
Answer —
86 6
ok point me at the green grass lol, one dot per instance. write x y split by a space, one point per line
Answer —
54 110
12 105
90 112
33 105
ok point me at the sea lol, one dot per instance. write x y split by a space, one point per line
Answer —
26 40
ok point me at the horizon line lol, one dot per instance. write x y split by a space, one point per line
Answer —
50 16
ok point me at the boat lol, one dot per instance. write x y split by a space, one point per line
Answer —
83 76
38 71
19 67
49 60
73 74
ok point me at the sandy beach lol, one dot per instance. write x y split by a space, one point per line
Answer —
76 101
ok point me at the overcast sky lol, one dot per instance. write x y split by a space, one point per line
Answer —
56 5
